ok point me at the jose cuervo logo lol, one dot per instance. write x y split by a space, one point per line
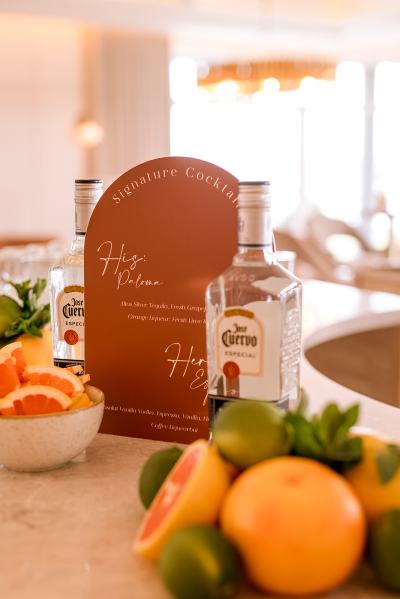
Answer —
239 339
71 314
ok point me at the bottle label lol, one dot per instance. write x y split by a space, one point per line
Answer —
254 227
239 339
248 346
83 212
71 314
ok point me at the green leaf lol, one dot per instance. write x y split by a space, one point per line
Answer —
350 450
33 317
328 423
349 419
326 437
388 462
305 442
38 289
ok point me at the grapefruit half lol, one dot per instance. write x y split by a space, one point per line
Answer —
192 493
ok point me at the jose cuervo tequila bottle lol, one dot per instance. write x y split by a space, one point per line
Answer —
253 315
66 282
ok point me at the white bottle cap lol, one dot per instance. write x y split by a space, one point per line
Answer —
87 194
254 206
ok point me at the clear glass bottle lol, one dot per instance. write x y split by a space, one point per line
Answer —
253 315
66 282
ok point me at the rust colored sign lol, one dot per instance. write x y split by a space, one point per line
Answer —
159 234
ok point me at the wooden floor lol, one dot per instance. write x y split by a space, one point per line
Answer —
366 362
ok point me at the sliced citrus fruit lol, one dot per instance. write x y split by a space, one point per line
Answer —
56 377
15 349
7 407
192 493
9 380
75 369
31 400
81 401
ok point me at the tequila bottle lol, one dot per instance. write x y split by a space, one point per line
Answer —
253 315
66 282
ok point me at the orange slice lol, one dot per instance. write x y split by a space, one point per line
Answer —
32 400
74 369
15 349
7 407
81 401
53 376
8 374
191 494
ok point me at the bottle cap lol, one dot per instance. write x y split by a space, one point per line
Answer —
254 194
88 191
254 215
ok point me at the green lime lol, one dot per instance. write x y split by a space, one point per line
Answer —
384 548
155 471
198 562
10 310
247 432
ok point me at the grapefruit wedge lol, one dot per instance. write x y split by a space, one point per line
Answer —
53 376
16 351
32 400
9 380
7 407
192 493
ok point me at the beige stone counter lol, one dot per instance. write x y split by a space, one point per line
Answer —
67 534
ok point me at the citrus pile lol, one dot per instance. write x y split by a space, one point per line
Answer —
285 501
29 390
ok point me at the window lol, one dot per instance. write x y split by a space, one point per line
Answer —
387 133
308 142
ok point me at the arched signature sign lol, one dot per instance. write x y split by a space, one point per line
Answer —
159 234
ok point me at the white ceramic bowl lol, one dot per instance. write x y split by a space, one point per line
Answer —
38 443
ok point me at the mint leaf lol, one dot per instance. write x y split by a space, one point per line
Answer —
349 419
305 442
328 423
33 317
350 451
388 463
326 437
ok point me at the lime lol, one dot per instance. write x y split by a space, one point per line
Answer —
247 432
198 562
155 471
10 310
384 548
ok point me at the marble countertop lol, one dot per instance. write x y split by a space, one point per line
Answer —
68 533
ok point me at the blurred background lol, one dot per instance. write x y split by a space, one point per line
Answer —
302 92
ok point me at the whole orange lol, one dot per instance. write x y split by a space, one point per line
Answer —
376 496
299 527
